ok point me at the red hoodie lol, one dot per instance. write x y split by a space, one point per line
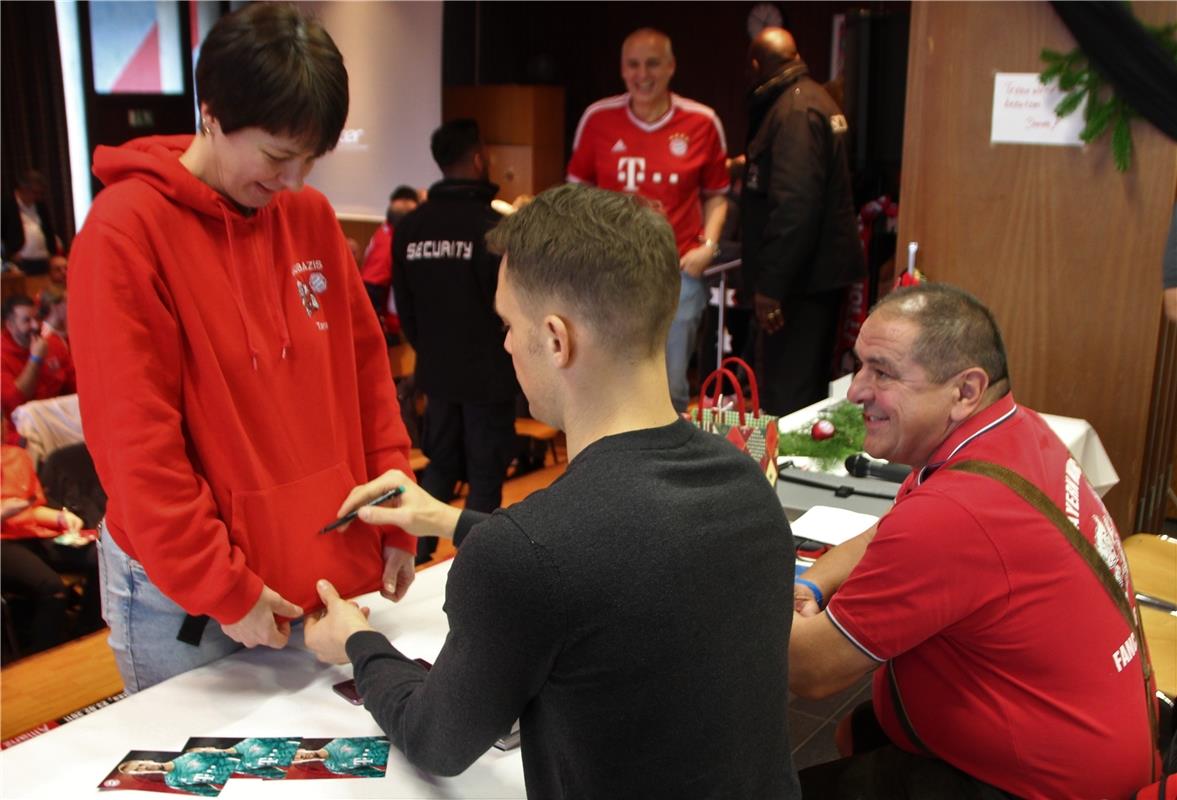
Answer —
234 385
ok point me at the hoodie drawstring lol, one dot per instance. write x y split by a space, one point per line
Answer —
279 283
238 294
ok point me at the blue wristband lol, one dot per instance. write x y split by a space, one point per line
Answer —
36 359
817 595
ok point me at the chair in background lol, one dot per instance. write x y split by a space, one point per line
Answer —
544 434
70 481
12 283
1152 560
48 424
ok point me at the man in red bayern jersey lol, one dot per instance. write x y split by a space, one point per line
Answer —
670 150
997 650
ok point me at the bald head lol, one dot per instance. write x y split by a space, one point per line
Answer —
649 37
772 50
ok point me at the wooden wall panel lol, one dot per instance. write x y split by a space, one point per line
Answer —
525 127
1065 250
360 229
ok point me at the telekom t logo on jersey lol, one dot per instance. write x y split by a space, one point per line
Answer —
631 171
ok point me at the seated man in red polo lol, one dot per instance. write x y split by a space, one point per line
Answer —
33 367
1003 665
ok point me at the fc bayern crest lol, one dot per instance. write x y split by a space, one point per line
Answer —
678 144
318 282
310 303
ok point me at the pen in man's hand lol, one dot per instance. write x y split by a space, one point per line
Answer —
375 501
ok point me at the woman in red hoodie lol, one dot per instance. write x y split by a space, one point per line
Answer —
233 380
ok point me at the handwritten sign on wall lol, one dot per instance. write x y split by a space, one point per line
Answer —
1023 112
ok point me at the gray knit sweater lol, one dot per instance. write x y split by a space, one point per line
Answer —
634 616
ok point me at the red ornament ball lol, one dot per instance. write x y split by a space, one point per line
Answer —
822 429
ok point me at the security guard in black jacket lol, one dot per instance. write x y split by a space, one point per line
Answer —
444 279
800 233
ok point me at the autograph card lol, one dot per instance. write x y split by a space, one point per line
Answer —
203 774
255 757
351 757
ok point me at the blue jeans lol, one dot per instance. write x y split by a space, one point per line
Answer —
144 623
692 300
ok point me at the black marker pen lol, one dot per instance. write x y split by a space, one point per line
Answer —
375 501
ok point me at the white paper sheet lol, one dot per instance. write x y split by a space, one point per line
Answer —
831 525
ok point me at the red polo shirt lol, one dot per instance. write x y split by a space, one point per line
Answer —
1011 661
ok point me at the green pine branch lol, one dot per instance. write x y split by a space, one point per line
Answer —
1105 110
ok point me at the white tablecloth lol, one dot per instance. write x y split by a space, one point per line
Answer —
259 692
1077 434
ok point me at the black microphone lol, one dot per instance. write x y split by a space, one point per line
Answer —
860 466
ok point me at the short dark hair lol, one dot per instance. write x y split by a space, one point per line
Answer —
956 330
404 192
454 140
609 255
268 66
12 302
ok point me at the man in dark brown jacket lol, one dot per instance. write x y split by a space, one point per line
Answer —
801 246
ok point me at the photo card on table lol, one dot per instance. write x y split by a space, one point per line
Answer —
200 773
256 756
343 757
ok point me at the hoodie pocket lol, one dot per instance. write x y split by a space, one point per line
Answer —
278 530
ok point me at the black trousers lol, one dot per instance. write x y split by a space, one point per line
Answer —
30 568
879 770
474 442
794 364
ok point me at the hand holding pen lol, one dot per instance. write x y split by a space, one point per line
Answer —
414 510
379 499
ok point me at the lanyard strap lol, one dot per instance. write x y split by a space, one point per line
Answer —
901 713
1086 551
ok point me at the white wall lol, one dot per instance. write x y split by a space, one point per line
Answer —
392 51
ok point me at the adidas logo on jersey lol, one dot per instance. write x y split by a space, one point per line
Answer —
619 147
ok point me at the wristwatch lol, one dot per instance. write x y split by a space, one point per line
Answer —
714 245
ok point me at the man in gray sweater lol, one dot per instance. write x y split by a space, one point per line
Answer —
635 615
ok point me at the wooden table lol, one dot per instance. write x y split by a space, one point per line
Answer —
48 685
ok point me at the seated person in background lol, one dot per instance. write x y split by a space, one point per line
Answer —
32 367
55 325
30 559
1006 659
26 224
376 269
55 287
606 613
